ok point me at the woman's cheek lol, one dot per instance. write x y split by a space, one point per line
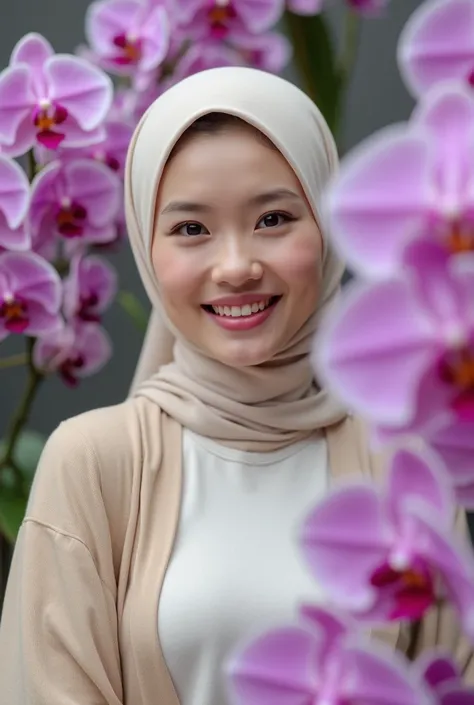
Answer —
175 270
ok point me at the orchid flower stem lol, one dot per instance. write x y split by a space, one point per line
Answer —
13 361
22 413
350 45
415 633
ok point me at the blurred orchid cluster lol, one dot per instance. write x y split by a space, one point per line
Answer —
398 350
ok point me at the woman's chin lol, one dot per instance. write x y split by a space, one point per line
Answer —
242 354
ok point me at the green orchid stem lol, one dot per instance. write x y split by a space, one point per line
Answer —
350 44
22 413
13 361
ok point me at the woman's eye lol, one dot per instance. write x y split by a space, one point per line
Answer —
190 229
272 220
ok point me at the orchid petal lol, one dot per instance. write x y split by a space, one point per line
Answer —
16 103
343 540
437 44
277 669
33 50
14 192
373 350
380 200
421 476
82 89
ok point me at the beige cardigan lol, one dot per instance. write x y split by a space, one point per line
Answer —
80 617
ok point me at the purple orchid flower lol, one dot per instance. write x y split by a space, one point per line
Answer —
416 181
437 44
401 352
77 201
320 662
218 19
30 295
14 203
89 289
270 51
381 553
111 151
50 99
444 679
204 55
129 105
74 351
129 37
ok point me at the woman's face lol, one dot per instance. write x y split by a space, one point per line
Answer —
236 250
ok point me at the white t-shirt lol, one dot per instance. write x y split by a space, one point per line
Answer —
236 568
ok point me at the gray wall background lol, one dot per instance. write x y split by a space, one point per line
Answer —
376 98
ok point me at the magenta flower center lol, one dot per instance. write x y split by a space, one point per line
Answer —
131 50
411 589
15 315
68 369
45 120
457 370
219 17
87 306
71 219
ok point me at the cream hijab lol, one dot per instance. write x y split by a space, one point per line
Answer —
267 406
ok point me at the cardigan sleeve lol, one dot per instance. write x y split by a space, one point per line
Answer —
59 628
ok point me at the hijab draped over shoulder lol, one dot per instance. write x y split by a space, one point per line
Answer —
261 407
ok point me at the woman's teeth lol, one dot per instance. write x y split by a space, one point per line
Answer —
237 311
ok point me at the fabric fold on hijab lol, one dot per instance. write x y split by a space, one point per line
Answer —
267 406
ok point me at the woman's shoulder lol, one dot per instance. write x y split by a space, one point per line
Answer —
89 466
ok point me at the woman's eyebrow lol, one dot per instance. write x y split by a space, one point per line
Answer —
185 207
259 199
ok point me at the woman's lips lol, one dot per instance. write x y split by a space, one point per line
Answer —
240 323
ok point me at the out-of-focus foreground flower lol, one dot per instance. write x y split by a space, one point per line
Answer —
437 44
382 553
322 660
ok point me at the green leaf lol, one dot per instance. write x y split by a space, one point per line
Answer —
28 449
134 308
315 58
12 510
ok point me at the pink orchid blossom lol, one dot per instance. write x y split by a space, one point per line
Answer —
219 19
129 37
321 662
50 99
444 679
414 181
401 352
14 203
76 201
383 553
89 288
202 56
30 295
111 151
270 51
437 44
74 351
129 105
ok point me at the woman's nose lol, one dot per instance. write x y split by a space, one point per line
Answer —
236 265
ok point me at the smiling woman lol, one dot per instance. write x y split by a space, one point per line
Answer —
241 275
160 532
